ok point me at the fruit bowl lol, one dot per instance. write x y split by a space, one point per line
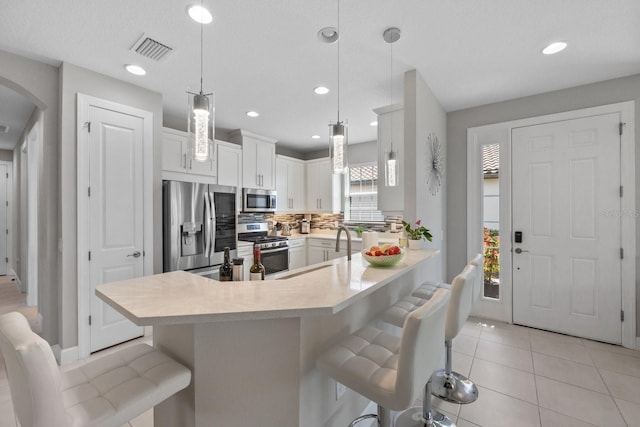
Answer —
383 260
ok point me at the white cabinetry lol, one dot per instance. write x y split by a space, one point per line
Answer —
178 163
258 160
245 251
229 158
319 186
290 184
391 199
320 250
297 254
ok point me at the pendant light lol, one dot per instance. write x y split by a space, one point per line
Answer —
391 166
200 118
338 131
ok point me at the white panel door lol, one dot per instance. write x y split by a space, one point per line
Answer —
115 216
566 196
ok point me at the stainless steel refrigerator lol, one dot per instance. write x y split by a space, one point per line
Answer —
199 220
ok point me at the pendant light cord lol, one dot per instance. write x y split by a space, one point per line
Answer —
338 60
201 50
391 95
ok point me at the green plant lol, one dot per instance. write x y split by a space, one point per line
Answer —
359 229
417 233
491 254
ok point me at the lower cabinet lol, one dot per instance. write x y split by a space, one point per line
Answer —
297 254
246 252
320 250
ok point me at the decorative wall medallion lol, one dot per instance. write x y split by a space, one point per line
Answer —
435 164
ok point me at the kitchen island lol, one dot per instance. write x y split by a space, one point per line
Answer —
252 345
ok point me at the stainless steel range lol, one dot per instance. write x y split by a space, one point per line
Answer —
274 250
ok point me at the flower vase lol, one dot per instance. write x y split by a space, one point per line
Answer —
415 244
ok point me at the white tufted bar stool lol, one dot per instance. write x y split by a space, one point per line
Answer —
478 263
448 385
389 370
106 392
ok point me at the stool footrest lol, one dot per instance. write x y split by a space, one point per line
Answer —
362 418
453 387
413 417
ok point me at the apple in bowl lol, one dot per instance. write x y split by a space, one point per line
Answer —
386 255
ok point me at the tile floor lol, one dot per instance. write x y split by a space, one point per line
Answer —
526 377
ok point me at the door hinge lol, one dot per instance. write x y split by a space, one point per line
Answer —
89 320
89 255
88 191
621 253
621 127
7 174
621 190
622 315
6 231
88 126
7 203
7 259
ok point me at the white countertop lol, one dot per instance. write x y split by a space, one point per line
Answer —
321 289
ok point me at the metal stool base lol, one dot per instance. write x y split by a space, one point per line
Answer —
453 387
413 417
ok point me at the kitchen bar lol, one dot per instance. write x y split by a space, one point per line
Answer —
252 345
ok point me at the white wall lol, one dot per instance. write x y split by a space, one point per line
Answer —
601 93
38 82
423 115
76 80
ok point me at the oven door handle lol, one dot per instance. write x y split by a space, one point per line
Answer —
273 250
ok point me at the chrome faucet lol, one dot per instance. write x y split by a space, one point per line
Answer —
346 230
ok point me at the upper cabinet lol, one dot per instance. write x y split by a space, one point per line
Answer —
290 184
177 162
258 160
229 158
319 186
391 128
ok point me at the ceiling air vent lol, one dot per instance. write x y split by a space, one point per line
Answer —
150 48
4 128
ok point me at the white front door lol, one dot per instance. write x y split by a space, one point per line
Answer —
115 216
565 200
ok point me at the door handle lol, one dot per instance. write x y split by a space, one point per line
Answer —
519 250
136 254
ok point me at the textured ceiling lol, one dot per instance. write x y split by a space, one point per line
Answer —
264 55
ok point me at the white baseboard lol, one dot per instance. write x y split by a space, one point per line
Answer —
65 356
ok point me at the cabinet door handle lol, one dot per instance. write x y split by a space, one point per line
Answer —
185 160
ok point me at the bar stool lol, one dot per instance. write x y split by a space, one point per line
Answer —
448 385
478 263
105 392
390 370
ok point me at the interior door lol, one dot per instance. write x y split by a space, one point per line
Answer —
565 203
115 216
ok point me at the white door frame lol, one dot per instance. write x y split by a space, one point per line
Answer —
500 133
84 296
34 146
9 208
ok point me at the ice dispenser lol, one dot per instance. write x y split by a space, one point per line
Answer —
192 242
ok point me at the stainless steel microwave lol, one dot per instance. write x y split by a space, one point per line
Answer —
254 200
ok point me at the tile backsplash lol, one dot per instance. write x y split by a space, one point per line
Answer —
319 221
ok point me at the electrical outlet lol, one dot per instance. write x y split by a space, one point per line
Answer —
340 389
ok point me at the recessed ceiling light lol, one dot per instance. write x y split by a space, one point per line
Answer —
315 137
200 14
321 90
374 123
554 47
252 113
135 69
328 35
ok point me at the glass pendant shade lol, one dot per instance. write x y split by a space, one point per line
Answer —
200 126
391 168
338 148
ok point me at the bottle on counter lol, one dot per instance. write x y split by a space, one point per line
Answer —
238 269
226 269
256 272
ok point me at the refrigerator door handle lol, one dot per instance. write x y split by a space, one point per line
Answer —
212 208
207 224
